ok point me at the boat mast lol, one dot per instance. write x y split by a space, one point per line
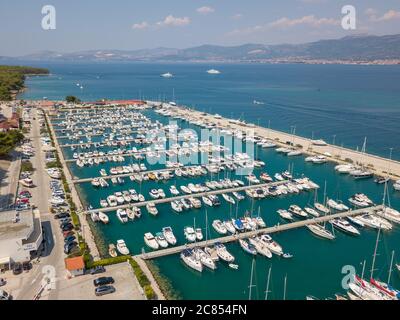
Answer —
390 269
267 289
251 278
284 288
363 269
374 256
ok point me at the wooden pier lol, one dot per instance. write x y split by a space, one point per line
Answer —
185 196
245 235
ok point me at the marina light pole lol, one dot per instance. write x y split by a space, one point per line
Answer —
334 139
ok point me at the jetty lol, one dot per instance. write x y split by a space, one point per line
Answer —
186 196
245 235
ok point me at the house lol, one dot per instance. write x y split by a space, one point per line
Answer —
20 234
75 266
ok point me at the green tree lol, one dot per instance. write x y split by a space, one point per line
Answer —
72 99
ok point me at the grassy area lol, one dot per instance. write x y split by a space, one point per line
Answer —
27 166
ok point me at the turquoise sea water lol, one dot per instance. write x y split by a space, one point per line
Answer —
322 99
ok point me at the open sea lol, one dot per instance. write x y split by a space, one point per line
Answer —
344 103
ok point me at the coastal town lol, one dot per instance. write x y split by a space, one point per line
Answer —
63 255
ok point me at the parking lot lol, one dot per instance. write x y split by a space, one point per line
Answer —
79 288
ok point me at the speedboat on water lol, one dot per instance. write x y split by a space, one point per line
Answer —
122 216
190 234
204 258
151 208
122 248
150 241
336 205
260 247
229 226
285 214
271 244
162 242
174 191
219 227
199 234
375 222
103 217
295 209
311 212
321 208
238 224
389 214
345 226
169 235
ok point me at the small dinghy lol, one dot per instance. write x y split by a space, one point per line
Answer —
233 266
287 255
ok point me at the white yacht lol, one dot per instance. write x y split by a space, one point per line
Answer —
207 201
271 244
389 214
311 212
229 226
169 235
190 234
162 242
190 260
336 205
199 234
151 241
177 206
375 222
174 191
260 247
295 209
320 231
122 248
223 253
213 71
219 227
343 225
228 198
285 214
122 216
167 75
103 217
151 208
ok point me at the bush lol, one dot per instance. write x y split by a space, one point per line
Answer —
52 164
149 292
107 262
27 166
75 220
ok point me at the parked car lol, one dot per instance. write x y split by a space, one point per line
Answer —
98 269
2 282
61 215
68 233
17 268
68 247
101 291
27 266
69 239
67 227
103 281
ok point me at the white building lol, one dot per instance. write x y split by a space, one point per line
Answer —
20 234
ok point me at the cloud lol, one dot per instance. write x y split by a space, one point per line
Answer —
310 20
388 16
171 21
140 26
237 16
205 10
286 23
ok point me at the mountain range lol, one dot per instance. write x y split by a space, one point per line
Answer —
350 48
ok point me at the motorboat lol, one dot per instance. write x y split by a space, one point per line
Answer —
311 212
247 247
336 205
122 248
343 225
174 191
228 198
169 235
296 210
152 209
223 253
122 215
103 217
207 201
238 196
285 214
185 189
260 247
321 208
213 71
95 217
130 214
167 75
219 227
162 242
190 234
199 234
177 206
150 241
375 222
271 244
320 231
238 224
154 194
389 214
190 260
112 251
229 226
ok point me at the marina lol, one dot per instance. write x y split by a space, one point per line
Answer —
146 184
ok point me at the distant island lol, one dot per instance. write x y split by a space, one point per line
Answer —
12 79
356 49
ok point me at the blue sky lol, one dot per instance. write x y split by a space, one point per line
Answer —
137 24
